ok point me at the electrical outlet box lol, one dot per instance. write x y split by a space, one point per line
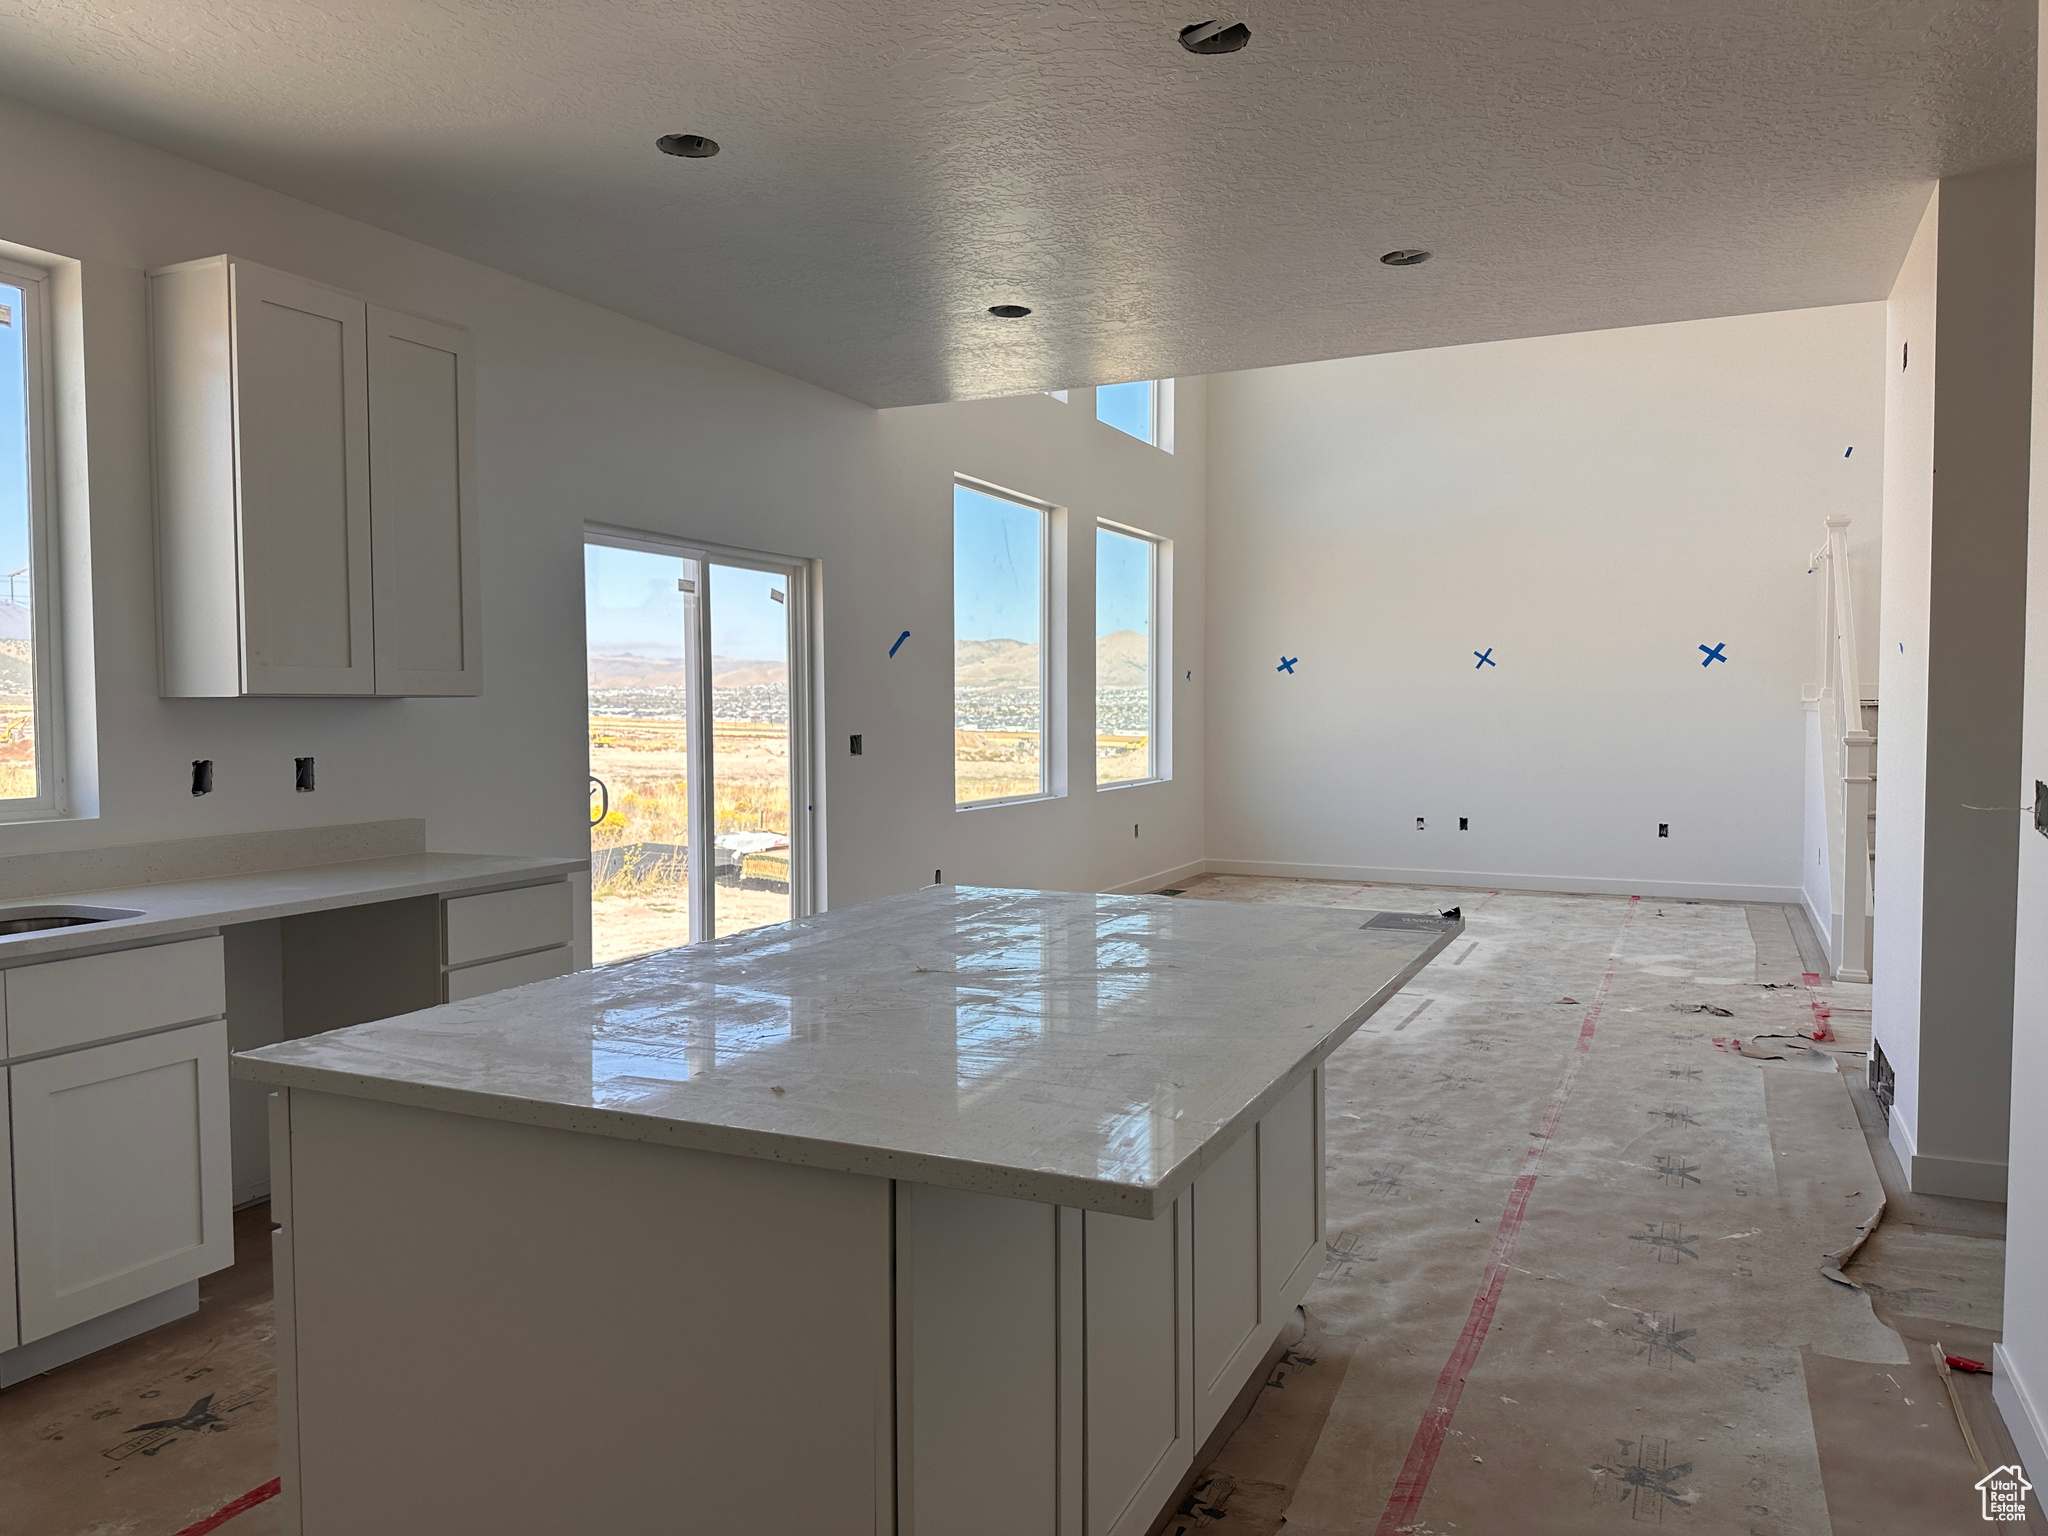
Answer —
1663 829
853 745
302 775
2041 808
202 775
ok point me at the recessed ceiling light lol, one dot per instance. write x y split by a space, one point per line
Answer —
1215 36
1008 311
691 146
1405 258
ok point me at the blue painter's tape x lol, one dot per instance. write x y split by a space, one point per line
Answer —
1714 653
1287 664
899 643
1485 659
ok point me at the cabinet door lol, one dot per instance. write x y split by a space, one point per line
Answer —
423 507
302 439
10 1335
1291 1194
1229 1338
1140 1401
121 1173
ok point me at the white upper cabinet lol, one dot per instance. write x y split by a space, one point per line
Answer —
316 523
423 506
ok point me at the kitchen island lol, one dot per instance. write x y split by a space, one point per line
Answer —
966 1210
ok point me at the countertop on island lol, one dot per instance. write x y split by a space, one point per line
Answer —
171 908
1075 1049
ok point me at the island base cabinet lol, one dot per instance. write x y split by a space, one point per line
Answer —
525 1329
1078 1361
492 1329
122 1174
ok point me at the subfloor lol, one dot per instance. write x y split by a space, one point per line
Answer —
1574 1277
1584 1179
163 1434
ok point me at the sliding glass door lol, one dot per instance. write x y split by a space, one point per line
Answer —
750 746
698 741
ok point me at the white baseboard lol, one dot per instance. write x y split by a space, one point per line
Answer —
2016 1406
1823 926
1900 1135
1180 874
1965 1178
97 1333
1479 880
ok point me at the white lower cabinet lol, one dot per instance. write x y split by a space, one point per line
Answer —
121 1178
1291 1193
10 1333
1137 1279
1228 1305
1078 1361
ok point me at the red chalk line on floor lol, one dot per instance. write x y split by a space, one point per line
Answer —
227 1512
1428 1444
1821 1011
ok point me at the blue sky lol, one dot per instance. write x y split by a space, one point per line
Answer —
1127 407
632 606
1123 583
996 567
13 441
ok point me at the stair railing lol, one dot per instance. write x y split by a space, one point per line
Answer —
1850 755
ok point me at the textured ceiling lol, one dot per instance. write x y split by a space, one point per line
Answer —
893 167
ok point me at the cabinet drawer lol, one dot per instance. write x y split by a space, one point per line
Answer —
65 1003
507 922
497 975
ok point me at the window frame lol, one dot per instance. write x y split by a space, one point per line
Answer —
1161 736
1051 698
806 779
1161 418
52 798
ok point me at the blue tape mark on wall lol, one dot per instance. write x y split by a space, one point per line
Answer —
899 643
1287 664
1848 450
1485 659
1714 653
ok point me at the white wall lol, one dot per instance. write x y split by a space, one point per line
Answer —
1952 632
1593 508
582 415
2020 1380
1910 316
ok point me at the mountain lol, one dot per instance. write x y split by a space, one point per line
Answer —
1123 659
995 664
668 672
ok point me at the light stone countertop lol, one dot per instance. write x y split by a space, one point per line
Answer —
1080 1050
171 908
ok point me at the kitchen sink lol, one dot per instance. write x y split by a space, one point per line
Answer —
15 921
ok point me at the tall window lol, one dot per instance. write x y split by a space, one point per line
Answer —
1133 408
1126 657
28 734
1001 600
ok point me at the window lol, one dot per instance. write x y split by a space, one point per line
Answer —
1143 409
1127 643
30 771
1001 603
